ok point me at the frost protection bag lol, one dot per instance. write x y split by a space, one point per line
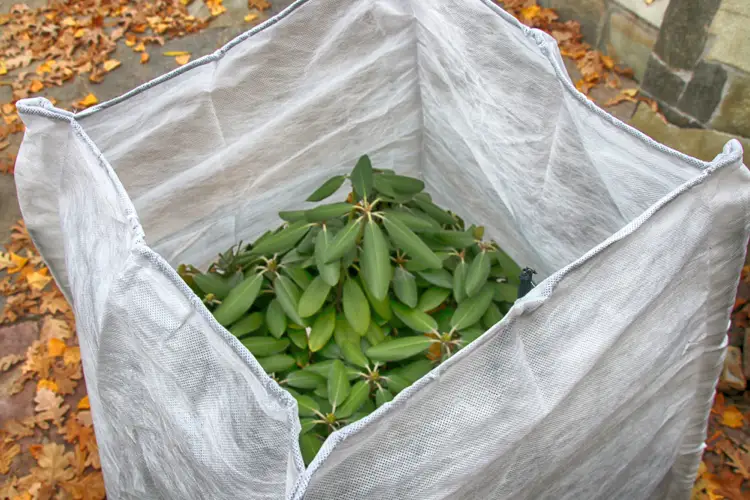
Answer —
596 385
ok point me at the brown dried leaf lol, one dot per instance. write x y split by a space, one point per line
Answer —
261 5
47 384
9 489
37 360
49 407
18 429
7 361
72 356
84 418
54 464
66 377
53 302
8 451
53 328
88 487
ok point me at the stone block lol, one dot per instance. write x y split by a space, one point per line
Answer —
652 13
733 115
730 42
704 91
660 82
684 32
629 41
700 143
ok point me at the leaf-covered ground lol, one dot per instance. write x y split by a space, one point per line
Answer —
71 49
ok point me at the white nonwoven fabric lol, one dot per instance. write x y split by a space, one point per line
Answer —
596 385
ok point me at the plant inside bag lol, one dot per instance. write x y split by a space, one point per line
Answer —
348 303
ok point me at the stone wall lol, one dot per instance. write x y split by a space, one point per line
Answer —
692 56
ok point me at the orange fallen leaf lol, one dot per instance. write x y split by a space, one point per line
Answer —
9 108
87 101
183 59
56 347
37 280
738 458
3 68
72 355
530 12
12 262
47 384
79 33
111 64
732 417
250 18
215 7
53 302
145 57
174 53
84 404
140 47
8 451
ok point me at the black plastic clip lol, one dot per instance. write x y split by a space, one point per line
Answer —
527 282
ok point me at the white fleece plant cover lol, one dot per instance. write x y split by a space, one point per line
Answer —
595 386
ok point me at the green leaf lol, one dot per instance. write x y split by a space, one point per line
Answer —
476 276
443 318
414 318
396 383
405 287
313 298
356 308
512 270
288 295
374 334
432 298
300 277
324 368
291 215
469 335
491 316
306 405
331 351
283 240
275 319
398 349
322 329
300 354
357 397
265 346
361 178
454 239
375 259
472 309
338 384
459 281
505 292
213 283
329 272
382 396
277 363
327 189
413 222
307 244
307 424
403 184
322 391
239 300
298 338
382 307
438 277
404 238
293 257
303 379
343 332
344 241
415 370
437 213
309 445
353 354
248 324
330 211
